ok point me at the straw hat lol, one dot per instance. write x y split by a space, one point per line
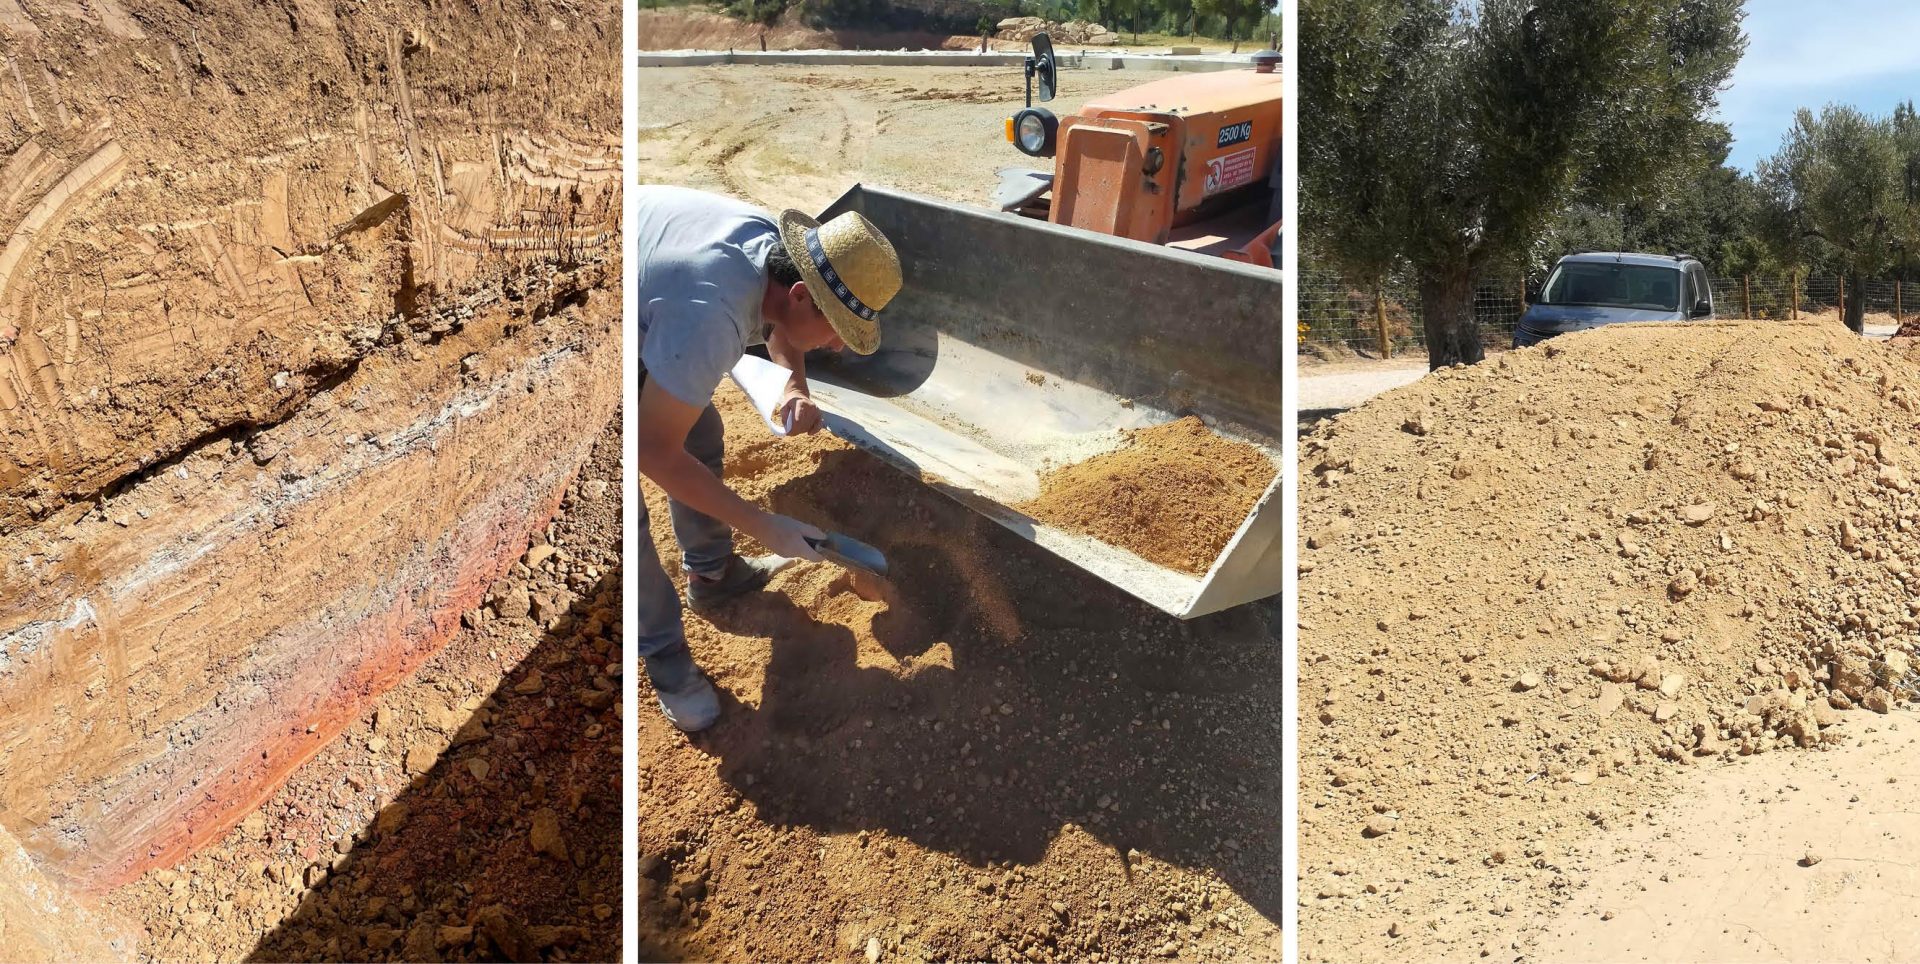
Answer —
850 268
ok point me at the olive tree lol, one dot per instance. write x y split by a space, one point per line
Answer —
1450 133
1845 183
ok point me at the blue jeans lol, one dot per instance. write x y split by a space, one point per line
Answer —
706 544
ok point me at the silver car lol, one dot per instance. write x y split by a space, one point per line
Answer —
1597 288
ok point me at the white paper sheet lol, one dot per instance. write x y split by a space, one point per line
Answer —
764 383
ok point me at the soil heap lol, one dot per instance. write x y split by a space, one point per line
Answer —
1174 494
1533 590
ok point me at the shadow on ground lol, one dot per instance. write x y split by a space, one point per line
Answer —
1026 695
448 871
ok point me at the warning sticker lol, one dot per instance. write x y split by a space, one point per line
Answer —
1231 171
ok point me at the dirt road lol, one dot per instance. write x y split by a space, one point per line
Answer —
799 136
1326 389
1783 857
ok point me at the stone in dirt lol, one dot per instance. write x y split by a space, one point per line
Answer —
1611 696
391 818
545 836
420 758
507 933
515 603
1878 700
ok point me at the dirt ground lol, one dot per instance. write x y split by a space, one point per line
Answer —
685 28
995 758
800 136
1776 858
1551 607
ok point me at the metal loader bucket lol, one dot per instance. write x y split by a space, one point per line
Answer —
1018 346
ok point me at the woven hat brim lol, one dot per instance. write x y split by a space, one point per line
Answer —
861 334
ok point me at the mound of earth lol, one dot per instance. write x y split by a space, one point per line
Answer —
1533 591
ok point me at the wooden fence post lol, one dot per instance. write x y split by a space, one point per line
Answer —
1896 304
1793 289
1746 296
1380 322
1840 295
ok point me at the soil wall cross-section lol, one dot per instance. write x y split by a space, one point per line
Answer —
307 319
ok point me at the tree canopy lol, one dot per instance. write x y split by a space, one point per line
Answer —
1452 134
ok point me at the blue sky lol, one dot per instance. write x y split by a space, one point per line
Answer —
1808 54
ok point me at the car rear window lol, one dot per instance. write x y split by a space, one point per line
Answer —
1612 284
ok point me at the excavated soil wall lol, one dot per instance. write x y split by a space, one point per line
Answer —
305 325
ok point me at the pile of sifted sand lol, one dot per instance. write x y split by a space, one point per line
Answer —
1532 590
1174 494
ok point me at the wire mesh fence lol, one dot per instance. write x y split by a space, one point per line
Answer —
1387 320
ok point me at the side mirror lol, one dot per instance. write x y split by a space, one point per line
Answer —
1702 309
1533 292
1043 66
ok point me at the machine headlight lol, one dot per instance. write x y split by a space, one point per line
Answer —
1034 130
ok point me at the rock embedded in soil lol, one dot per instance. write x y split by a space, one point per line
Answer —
545 835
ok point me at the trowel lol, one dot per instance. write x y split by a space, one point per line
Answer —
851 553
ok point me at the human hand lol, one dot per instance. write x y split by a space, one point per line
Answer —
801 415
787 536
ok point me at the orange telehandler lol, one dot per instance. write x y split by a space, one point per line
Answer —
1192 161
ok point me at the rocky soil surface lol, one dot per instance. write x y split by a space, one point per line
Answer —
1538 594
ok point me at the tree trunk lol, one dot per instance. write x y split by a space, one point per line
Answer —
1453 334
1857 302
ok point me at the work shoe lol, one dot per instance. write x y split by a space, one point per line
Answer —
693 707
741 576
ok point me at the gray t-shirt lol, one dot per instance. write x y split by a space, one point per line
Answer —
703 273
